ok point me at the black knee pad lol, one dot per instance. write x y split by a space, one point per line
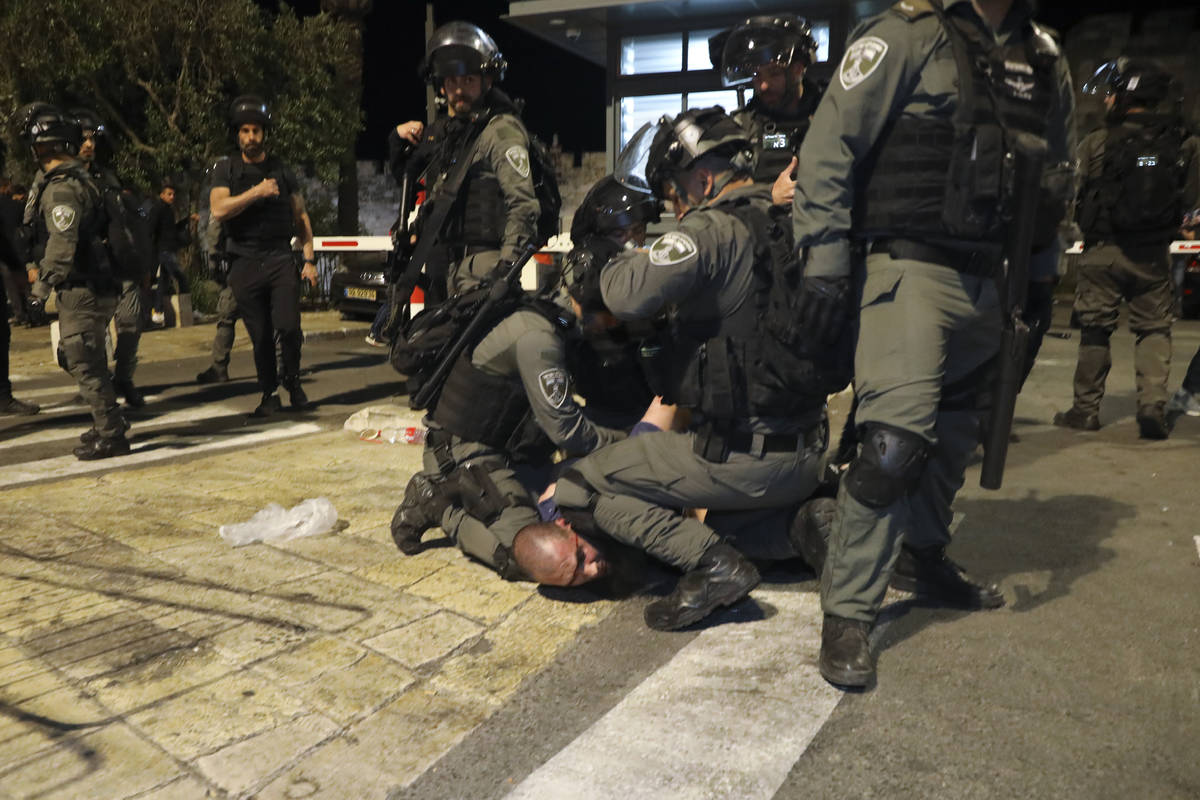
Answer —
888 466
1094 337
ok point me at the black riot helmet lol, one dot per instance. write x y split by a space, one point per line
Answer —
611 206
45 127
782 39
460 48
660 152
249 109
92 127
1135 83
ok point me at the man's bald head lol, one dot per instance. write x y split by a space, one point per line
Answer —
553 554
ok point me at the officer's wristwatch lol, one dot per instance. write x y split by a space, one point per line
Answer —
312 261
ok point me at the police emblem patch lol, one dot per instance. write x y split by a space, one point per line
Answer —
862 58
63 217
672 248
519 158
554 386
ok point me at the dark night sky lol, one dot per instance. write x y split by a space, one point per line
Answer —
564 94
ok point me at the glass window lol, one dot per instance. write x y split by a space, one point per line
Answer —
820 32
636 111
698 49
641 55
726 98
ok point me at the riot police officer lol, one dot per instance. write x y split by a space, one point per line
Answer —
506 406
604 361
257 200
65 210
1137 175
903 156
96 153
752 452
495 208
772 53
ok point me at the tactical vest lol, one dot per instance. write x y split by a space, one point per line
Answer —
267 224
733 368
494 410
1136 196
92 265
477 216
948 178
775 141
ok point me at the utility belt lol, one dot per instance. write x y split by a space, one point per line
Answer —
715 443
258 249
981 263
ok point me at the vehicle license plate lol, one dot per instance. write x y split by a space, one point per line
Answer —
360 294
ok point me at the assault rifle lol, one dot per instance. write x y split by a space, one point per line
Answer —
507 277
1028 157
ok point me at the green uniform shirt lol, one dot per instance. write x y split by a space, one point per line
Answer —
502 152
524 344
66 205
899 63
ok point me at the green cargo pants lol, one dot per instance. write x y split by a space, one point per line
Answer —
83 316
922 327
1108 274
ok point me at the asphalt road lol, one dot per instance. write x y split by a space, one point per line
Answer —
1085 686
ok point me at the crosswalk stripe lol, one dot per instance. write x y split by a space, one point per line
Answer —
195 413
143 453
728 716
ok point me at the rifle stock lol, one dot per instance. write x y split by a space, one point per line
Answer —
510 274
1028 158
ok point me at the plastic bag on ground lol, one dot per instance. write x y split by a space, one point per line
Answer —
278 524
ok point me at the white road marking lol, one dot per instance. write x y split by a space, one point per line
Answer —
1197 540
143 453
728 716
182 416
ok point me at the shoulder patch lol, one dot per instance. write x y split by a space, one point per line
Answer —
672 248
553 383
862 58
518 157
63 217
912 9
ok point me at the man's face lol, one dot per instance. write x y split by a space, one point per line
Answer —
87 150
772 87
168 196
687 191
463 92
578 562
250 140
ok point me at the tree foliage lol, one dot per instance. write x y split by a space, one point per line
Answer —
162 74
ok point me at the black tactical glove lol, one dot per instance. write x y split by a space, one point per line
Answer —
823 307
581 270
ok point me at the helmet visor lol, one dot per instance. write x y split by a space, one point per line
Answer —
463 34
749 48
630 168
1104 81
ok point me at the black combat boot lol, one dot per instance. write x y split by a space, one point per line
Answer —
425 499
214 374
90 436
1152 423
723 577
133 396
297 399
846 653
1079 420
267 406
811 529
103 448
929 573
12 407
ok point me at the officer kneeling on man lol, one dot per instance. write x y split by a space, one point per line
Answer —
757 433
